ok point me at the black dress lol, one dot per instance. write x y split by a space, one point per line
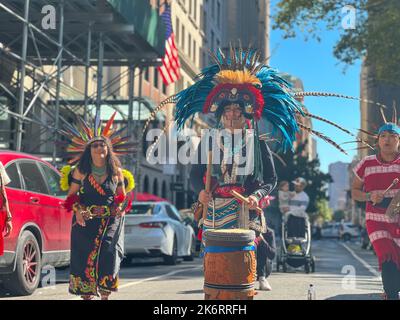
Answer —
96 249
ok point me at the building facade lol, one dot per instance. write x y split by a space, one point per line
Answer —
339 188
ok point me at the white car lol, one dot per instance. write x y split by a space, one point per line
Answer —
330 230
348 231
155 229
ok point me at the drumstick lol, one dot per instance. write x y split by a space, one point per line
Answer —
208 182
237 195
394 182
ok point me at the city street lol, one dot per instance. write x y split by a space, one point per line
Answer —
151 280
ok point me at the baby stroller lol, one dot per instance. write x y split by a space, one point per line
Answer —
296 244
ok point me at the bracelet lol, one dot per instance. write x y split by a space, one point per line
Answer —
368 196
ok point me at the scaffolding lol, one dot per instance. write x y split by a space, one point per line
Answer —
90 34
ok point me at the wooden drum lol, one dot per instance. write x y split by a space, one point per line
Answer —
229 264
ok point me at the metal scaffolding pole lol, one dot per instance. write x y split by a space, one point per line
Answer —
139 137
59 66
21 98
100 72
87 71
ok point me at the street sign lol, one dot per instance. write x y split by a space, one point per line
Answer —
178 187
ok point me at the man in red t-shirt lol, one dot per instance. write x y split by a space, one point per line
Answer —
373 176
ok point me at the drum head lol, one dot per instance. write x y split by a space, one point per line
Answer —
229 235
394 206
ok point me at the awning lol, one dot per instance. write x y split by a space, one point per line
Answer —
146 18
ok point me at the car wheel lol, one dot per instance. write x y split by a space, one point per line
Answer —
172 259
346 237
307 267
284 267
312 265
192 251
25 279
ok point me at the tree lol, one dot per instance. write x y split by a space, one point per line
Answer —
298 165
376 35
323 211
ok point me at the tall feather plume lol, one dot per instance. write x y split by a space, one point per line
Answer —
337 95
373 135
107 129
241 64
336 126
279 158
383 116
247 55
224 63
394 116
97 123
322 136
169 100
215 58
153 145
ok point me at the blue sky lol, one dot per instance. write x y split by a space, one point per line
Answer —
313 62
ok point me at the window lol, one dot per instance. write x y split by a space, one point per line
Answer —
146 74
183 38
155 79
147 209
195 10
171 213
190 7
53 181
190 45
204 19
164 88
155 187
12 172
194 51
177 28
219 15
33 178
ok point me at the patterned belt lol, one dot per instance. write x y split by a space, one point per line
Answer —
95 211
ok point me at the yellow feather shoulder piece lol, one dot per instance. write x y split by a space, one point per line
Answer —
129 180
65 171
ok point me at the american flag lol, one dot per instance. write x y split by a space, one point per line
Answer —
170 70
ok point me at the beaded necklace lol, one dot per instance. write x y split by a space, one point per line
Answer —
98 172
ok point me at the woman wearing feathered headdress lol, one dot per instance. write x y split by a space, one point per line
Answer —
97 188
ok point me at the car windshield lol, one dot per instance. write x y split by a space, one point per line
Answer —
148 209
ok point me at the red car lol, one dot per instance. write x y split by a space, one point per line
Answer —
41 226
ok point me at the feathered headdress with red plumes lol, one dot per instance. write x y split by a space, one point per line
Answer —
82 135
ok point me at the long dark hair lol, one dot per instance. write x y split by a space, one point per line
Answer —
112 161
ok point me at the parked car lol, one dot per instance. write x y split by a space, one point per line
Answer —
330 230
348 231
156 229
41 226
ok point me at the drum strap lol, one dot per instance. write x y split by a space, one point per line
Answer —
218 249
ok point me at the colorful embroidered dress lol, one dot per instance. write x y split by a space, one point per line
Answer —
97 248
